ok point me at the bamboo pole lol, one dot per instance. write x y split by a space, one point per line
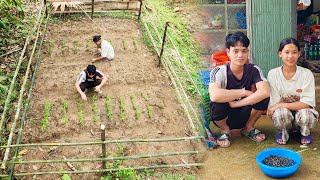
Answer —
26 107
6 154
15 50
163 41
105 142
106 159
109 170
5 108
92 9
140 9
103 146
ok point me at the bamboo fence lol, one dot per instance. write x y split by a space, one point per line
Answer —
178 86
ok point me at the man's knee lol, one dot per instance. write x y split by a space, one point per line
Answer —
219 111
262 105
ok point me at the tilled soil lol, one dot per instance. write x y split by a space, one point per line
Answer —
133 74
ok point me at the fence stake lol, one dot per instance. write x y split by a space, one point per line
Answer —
163 41
45 5
103 138
140 9
92 8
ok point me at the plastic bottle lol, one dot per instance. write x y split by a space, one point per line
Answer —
316 52
311 52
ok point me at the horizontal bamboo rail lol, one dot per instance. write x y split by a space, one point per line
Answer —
105 142
106 159
109 170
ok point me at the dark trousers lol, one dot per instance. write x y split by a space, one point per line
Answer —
236 117
89 84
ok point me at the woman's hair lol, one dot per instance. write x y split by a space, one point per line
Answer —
234 38
96 38
287 41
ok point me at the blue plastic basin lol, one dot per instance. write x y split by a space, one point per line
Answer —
279 172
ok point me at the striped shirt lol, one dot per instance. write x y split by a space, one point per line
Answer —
223 76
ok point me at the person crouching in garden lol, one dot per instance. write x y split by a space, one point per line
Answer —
105 49
90 78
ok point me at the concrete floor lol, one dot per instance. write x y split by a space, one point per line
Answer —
238 161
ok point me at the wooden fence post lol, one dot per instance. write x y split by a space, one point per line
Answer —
163 41
103 138
140 9
92 9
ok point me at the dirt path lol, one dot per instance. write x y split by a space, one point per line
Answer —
133 73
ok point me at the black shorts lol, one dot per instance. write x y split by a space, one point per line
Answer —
237 117
90 84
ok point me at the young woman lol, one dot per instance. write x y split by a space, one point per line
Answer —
292 96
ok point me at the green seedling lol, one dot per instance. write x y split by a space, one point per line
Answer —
122 109
63 47
51 46
121 147
65 177
137 111
124 44
75 47
46 115
95 109
135 43
87 44
149 108
65 111
108 108
80 112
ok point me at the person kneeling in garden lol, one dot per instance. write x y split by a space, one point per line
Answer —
292 100
233 104
90 78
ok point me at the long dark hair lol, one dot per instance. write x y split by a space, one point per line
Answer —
287 41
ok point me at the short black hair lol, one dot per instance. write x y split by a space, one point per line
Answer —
91 69
287 41
96 38
233 38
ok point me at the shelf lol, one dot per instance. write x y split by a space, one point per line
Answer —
223 5
221 30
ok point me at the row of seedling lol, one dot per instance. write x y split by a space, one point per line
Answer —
95 110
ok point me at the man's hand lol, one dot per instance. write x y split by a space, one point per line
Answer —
233 104
84 97
246 93
97 89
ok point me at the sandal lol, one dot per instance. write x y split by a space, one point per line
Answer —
253 134
224 137
279 137
306 138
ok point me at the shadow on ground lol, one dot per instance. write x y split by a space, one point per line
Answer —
238 161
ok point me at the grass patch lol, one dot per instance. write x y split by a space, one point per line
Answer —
122 109
46 115
65 111
80 111
95 109
108 108
170 176
137 112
